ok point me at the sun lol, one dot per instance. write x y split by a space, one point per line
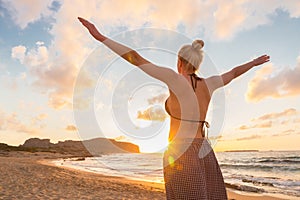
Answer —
155 144
158 145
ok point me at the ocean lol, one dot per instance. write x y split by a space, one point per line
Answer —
268 172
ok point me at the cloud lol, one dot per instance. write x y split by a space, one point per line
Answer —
34 57
280 120
71 128
218 137
53 76
18 52
228 18
152 113
263 125
251 137
11 122
38 121
122 138
220 20
280 134
55 67
284 133
297 120
244 127
10 82
268 82
160 99
267 124
286 113
27 11
267 120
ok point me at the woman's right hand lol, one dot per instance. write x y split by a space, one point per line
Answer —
92 29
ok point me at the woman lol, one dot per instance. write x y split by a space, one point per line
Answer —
191 170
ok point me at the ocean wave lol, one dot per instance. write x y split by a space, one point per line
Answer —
281 157
261 167
258 182
279 161
244 188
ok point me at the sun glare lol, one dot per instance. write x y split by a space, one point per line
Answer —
155 144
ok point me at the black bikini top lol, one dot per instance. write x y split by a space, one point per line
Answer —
194 85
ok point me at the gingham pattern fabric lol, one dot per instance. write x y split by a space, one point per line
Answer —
195 174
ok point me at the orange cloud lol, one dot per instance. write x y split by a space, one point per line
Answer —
277 84
251 137
258 125
280 134
218 137
56 75
284 133
11 122
267 120
244 127
38 120
42 116
285 113
158 99
297 120
122 138
152 113
264 125
228 18
71 128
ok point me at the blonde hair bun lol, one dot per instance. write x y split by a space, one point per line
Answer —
198 44
191 55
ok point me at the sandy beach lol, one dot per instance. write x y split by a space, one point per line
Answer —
32 176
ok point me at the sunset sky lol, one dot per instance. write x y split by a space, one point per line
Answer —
43 49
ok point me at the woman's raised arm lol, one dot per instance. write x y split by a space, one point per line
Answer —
215 82
161 73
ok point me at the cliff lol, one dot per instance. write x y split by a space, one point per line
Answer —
103 145
38 143
91 147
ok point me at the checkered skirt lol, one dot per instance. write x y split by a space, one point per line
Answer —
194 174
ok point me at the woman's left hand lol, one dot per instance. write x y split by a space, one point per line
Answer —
91 27
261 60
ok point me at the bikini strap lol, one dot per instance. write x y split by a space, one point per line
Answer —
204 123
194 85
190 120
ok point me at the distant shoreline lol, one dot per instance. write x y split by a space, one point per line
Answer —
242 150
84 148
